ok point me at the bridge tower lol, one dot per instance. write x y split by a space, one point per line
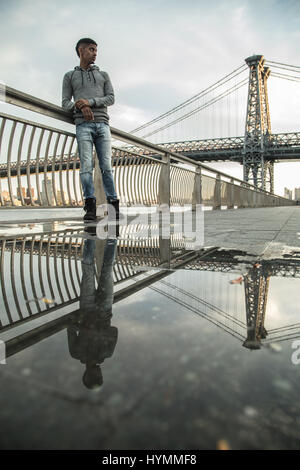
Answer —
256 294
257 170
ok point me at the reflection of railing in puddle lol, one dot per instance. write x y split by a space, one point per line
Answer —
43 273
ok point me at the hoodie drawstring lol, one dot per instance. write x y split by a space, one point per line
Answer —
78 68
93 77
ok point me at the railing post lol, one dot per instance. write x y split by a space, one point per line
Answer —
254 199
230 204
197 191
243 202
99 191
164 187
165 251
217 193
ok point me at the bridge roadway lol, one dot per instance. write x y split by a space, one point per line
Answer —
280 147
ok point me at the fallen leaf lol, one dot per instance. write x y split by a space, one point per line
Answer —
238 280
47 301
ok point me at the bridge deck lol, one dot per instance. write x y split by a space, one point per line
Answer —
164 364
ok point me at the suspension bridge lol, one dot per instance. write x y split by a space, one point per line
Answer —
258 149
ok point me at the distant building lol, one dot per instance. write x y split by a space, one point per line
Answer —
16 201
47 183
30 191
288 193
297 194
25 194
5 196
21 192
61 197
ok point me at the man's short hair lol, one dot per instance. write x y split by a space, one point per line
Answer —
84 41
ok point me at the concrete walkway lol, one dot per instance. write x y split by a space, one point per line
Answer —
268 233
265 232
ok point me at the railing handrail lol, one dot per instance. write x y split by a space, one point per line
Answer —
32 103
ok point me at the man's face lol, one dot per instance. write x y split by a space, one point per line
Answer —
88 53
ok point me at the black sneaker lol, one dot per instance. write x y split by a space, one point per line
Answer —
90 209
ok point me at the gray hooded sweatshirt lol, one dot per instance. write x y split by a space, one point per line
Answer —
92 85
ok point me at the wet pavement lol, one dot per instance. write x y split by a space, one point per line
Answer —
143 341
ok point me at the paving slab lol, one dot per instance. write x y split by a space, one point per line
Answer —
254 229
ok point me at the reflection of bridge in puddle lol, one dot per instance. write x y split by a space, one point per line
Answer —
42 279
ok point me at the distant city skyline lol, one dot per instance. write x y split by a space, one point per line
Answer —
292 193
25 192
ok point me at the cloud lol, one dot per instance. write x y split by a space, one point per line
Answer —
127 117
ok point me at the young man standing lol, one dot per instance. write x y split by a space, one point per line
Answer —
92 92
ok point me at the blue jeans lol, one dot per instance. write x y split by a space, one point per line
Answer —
100 300
98 133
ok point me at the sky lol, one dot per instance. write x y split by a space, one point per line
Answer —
158 53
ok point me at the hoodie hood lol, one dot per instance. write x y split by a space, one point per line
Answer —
92 67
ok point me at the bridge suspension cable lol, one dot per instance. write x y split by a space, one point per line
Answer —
214 308
199 108
191 100
198 312
279 65
292 78
183 111
275 330
283 68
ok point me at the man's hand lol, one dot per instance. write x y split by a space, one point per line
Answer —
87 113
80 103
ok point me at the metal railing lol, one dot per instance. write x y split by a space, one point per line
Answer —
39 167
41 273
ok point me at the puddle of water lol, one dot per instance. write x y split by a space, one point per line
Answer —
152 345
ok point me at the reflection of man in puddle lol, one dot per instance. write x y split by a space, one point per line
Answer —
91 337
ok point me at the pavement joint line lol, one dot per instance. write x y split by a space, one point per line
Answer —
282 220
278 231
